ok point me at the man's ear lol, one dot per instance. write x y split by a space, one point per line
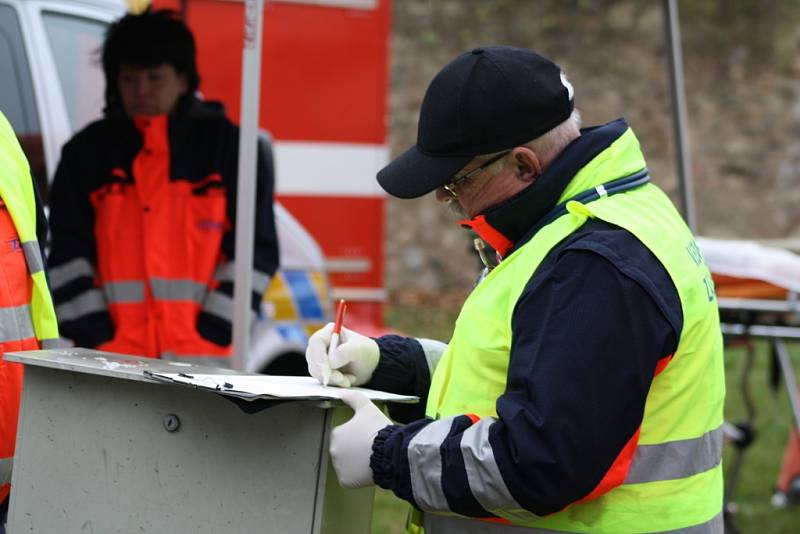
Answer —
528 167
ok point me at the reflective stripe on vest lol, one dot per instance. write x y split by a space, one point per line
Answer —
166 289
15 324
444 524
676 463
123 292
163 289
676 459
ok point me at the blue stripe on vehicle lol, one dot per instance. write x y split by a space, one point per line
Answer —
292 333
305 296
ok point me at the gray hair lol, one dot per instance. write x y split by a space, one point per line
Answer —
553 142
548 145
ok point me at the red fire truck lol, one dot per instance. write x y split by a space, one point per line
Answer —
324 87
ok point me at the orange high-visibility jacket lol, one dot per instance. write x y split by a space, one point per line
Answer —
16 287
26 313
142 218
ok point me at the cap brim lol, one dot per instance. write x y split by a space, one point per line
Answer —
413 174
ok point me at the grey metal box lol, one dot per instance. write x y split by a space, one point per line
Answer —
98 452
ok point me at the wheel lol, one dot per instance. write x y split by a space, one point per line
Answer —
289 364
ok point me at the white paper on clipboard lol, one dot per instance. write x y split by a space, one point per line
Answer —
250 387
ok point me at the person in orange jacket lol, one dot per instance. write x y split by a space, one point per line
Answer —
143 207
27 319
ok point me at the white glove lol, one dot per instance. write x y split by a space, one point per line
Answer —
351 443
352 362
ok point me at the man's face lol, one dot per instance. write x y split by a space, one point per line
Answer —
484 189
150 91
488 186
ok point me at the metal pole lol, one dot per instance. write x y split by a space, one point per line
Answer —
246 187
788 378
681 133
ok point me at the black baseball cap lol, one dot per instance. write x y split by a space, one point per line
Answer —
487 100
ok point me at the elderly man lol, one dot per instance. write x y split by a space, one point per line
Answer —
582 389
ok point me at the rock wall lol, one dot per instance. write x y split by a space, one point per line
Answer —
743 92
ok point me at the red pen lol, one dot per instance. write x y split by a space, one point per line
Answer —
337 330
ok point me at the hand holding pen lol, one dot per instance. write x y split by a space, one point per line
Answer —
334 343
338 356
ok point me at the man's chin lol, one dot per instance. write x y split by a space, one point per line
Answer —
454 207
143 111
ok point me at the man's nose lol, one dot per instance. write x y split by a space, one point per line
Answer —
141 86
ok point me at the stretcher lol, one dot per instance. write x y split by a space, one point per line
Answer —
758 293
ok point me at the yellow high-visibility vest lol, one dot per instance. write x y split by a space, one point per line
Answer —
16 190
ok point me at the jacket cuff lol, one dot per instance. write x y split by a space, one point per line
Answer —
214 329
389 459
381 461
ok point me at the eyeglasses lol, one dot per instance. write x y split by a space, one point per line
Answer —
451 185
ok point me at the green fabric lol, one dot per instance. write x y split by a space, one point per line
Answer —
685 400
16 190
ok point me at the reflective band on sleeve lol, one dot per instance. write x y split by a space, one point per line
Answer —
67 272
122 292
433 350
6 466
197 359
91 301
33 256
16 323
676 459
260 282
221 305
485 479
225 273
56 343
425 465
170 289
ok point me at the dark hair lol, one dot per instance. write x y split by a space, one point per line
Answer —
148 40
